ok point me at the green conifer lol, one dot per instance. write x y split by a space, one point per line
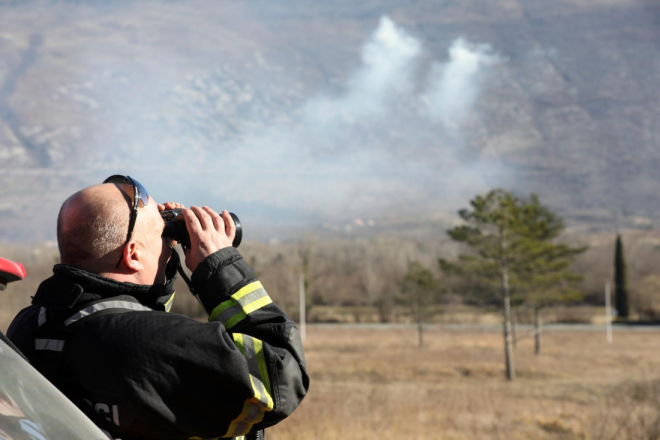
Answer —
620 283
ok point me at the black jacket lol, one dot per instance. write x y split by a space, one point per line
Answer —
139 372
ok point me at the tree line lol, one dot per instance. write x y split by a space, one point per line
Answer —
513 259
506 254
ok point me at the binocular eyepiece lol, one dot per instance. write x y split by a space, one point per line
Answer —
175 227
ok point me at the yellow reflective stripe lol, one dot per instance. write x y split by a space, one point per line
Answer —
247 289
253 350
247 310
234 299
244 421
257 304
261 360
248 299
261 400
168 304
264 399
253 411
238 340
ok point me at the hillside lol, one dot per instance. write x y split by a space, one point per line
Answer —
307 114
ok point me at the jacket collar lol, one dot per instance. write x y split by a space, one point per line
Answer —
71 287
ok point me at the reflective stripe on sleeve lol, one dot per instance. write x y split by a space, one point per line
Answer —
49 344
105 305
255 407
248 299
253 350
168 304
42 316
261 363
253 412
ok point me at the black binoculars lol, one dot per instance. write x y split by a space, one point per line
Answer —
175 227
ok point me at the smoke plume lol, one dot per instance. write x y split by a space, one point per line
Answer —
391 136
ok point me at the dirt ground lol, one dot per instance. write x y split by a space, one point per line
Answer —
377 383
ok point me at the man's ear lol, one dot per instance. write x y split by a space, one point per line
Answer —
133 256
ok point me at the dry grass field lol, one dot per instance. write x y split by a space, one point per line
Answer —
376 383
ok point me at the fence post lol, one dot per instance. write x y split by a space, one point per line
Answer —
608 314
303 326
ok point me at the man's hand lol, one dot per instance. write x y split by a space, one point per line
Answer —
209 232
170 205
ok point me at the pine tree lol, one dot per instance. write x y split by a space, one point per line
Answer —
542 277
620 282
514 258
493 229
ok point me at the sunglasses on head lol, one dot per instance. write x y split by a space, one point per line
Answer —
139 194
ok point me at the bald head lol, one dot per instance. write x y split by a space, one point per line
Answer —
92 227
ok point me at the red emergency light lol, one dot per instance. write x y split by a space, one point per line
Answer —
10 271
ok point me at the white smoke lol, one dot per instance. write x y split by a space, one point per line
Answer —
377 146
453 87
389 138
388 59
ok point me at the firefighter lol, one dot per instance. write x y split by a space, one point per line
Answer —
100 330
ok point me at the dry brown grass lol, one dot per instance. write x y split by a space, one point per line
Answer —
373 383
377 384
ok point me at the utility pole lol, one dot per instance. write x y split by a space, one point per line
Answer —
303 326
608 314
